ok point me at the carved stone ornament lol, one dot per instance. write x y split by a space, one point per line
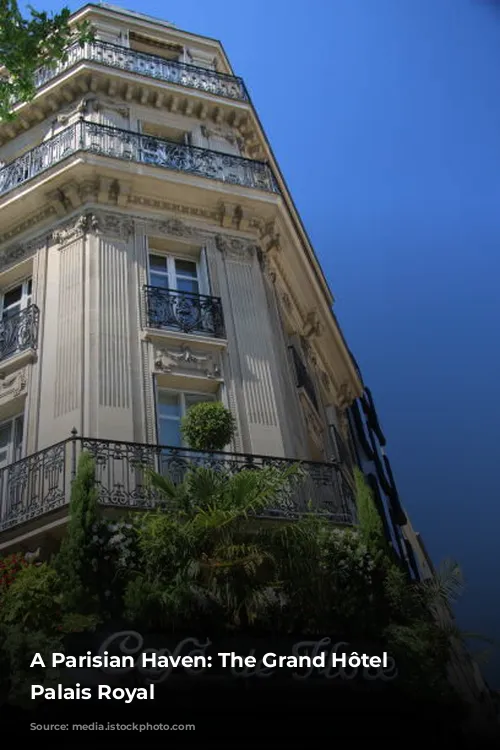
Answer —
234 248
161 205
172 227
12 255
325 379
313 422
312 326
72 230
185 360
12 386
345 396
309 351
116 225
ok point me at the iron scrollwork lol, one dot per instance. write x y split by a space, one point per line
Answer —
184 311
144 149
121 471
19 332
144 64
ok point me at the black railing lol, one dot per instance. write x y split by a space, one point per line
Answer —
136 147
150 66
41 483
302 377
183 311
19 332
35 485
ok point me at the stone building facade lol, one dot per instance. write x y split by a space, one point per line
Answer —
151 257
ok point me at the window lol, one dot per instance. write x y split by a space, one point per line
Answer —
11 441
178 274
16 299
172 406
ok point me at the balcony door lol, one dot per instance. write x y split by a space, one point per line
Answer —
15 322
177 274
172 406
11 441
16 299
176 294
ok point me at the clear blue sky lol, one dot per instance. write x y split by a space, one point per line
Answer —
385 118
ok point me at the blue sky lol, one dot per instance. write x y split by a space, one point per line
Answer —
385 118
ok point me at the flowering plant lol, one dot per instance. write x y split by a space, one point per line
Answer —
10 566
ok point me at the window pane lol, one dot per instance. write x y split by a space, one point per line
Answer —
159 279
185 268
158 262
170 432
169 404
29 288
5 434
187 285
18 434
13 297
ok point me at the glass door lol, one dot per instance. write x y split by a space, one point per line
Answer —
11 441
13 324
173 296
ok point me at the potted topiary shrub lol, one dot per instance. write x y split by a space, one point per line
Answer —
208 426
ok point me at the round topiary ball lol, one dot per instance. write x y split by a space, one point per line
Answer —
208 426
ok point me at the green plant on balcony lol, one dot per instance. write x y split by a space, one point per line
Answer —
28 43
204 559
208 426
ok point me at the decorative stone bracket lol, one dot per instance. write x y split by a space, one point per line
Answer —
184 360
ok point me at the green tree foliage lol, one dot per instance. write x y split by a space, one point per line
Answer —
203 558
208 426
370 523
77 562
26 44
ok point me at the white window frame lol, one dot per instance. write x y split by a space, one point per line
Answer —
12 458
26 295
201 273
212 397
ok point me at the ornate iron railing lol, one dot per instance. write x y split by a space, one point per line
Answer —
183 311
302 377
19 332
41 483
136 147
150 66
35 485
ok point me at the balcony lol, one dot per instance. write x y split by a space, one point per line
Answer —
40 484
183 311
19 332
141 149
150 66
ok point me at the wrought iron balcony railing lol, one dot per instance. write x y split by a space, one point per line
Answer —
136 147
150 66
183 311
19 332
302 377
41 483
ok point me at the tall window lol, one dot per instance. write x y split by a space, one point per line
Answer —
168 272
16 299
11 441
172 406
